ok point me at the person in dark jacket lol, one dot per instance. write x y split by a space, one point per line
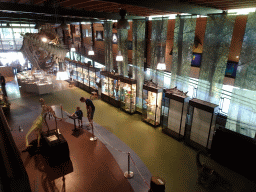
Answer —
79 115
2 81
90 109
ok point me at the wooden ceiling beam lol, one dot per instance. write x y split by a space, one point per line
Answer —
38 2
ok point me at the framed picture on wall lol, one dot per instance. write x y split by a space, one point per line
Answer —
129 44
196 59
99 35
114 38
231 69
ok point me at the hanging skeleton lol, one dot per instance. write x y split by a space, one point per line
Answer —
43 54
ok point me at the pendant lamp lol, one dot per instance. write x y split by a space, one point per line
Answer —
161 65
119 57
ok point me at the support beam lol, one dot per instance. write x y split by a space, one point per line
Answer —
171 6
25 17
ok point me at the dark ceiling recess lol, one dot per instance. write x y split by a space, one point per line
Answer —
96 10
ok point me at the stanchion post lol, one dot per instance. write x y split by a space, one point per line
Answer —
128 174
61 111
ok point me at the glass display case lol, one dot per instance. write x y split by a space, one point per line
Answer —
80 76
86 85
128 94
94 75
200 124
104 84
174 111
110 88
38 82
73 72
151 106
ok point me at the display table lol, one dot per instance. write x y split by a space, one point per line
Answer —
54 148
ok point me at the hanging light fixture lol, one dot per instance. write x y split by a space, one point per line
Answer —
119 57
91 52
161 65
123 23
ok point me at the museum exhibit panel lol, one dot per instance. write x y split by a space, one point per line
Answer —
128 94
200 124
151 109
174 111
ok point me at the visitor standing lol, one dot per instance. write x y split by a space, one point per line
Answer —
2 81
90 109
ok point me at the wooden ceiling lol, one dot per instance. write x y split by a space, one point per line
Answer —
93 10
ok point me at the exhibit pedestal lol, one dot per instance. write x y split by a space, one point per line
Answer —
54 148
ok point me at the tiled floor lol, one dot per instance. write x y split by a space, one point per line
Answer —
163 155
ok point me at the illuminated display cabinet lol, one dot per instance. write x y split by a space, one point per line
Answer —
128 94
151 107
85 86
73 72
110 88
174 111
200 124
94 78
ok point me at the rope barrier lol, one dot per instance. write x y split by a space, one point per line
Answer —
139 172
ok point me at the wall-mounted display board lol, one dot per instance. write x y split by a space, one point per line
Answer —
200 124
128 94
174 111
151 104
110 88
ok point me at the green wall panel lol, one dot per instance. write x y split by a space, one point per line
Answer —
138 35
218 35
108 45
